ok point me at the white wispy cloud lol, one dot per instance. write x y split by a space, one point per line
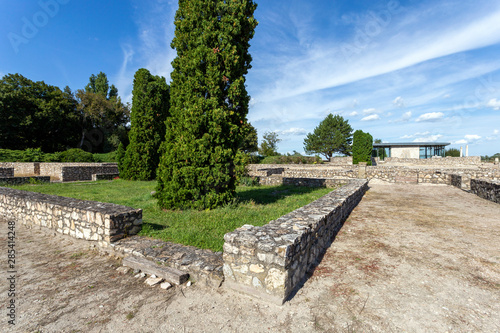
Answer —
125 77
460 142
371 118
472 137
495 132
409 136
430 138
155 31
324 66
399 102
353 113
431 116
494 103
370 111
292 131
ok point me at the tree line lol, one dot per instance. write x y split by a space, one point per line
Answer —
34 114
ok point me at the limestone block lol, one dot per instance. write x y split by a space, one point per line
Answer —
257 268
228 272
275 279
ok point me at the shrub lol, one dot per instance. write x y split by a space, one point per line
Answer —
77 155
249 181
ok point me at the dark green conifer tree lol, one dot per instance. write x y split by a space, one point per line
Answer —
209 103
362 147
150 108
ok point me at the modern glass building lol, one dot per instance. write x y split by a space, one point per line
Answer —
419 150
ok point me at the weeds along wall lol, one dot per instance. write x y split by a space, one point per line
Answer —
102 223
271 261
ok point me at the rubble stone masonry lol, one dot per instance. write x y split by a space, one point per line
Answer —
6 172
489 190
89 220
271 261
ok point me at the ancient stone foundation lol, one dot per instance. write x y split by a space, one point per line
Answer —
64 172
89 220
272 261
24 180
6 172
489 190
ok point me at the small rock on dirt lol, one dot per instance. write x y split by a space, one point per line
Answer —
123 270
152 281
165 285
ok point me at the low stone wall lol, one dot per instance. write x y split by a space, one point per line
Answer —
489 190
340 160
389 173
61 171
6 172
203 266
23 168
271 261
443 161
109 176
78 173
456 180
23 180
93 221
309 182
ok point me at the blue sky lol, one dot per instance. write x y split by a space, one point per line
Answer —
402 70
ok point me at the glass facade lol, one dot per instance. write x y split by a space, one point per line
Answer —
430 151
426 150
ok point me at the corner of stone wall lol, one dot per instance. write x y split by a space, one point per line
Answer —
270 262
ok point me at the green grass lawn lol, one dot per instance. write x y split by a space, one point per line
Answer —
204 229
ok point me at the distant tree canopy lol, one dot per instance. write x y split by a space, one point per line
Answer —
37 115
362 147
104 116
150 109
269 145
453 152
250 143
98 84
209 103
333 135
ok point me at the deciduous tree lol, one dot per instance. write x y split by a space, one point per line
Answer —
269 145
333 135
104 116
36 115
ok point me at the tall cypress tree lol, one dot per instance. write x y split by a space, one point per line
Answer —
362 147
209 103
150 108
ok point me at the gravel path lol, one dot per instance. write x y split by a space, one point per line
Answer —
410 258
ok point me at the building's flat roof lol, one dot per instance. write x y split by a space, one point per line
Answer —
411 144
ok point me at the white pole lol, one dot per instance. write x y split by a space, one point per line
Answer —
461 148
467 150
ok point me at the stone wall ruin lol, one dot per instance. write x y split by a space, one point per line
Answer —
271 261
100 222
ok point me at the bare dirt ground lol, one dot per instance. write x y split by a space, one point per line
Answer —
410 258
